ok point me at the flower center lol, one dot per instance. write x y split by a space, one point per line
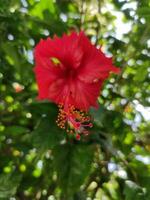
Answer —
73 120
70 73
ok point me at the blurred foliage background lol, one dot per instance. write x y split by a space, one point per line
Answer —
36 160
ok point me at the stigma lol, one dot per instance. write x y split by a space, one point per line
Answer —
73 120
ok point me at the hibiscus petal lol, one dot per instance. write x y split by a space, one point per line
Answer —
95 65
84 94
45 77
58 91
72 50
70 70
66 49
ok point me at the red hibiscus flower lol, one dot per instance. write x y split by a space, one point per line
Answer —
70 71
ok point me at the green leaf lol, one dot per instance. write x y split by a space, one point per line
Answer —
11 54
98 115
47 134
9 184
141 74
15 130
143 11
44 108
73 163
143 173
133 191
41 7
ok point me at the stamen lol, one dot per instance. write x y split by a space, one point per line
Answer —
73 120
